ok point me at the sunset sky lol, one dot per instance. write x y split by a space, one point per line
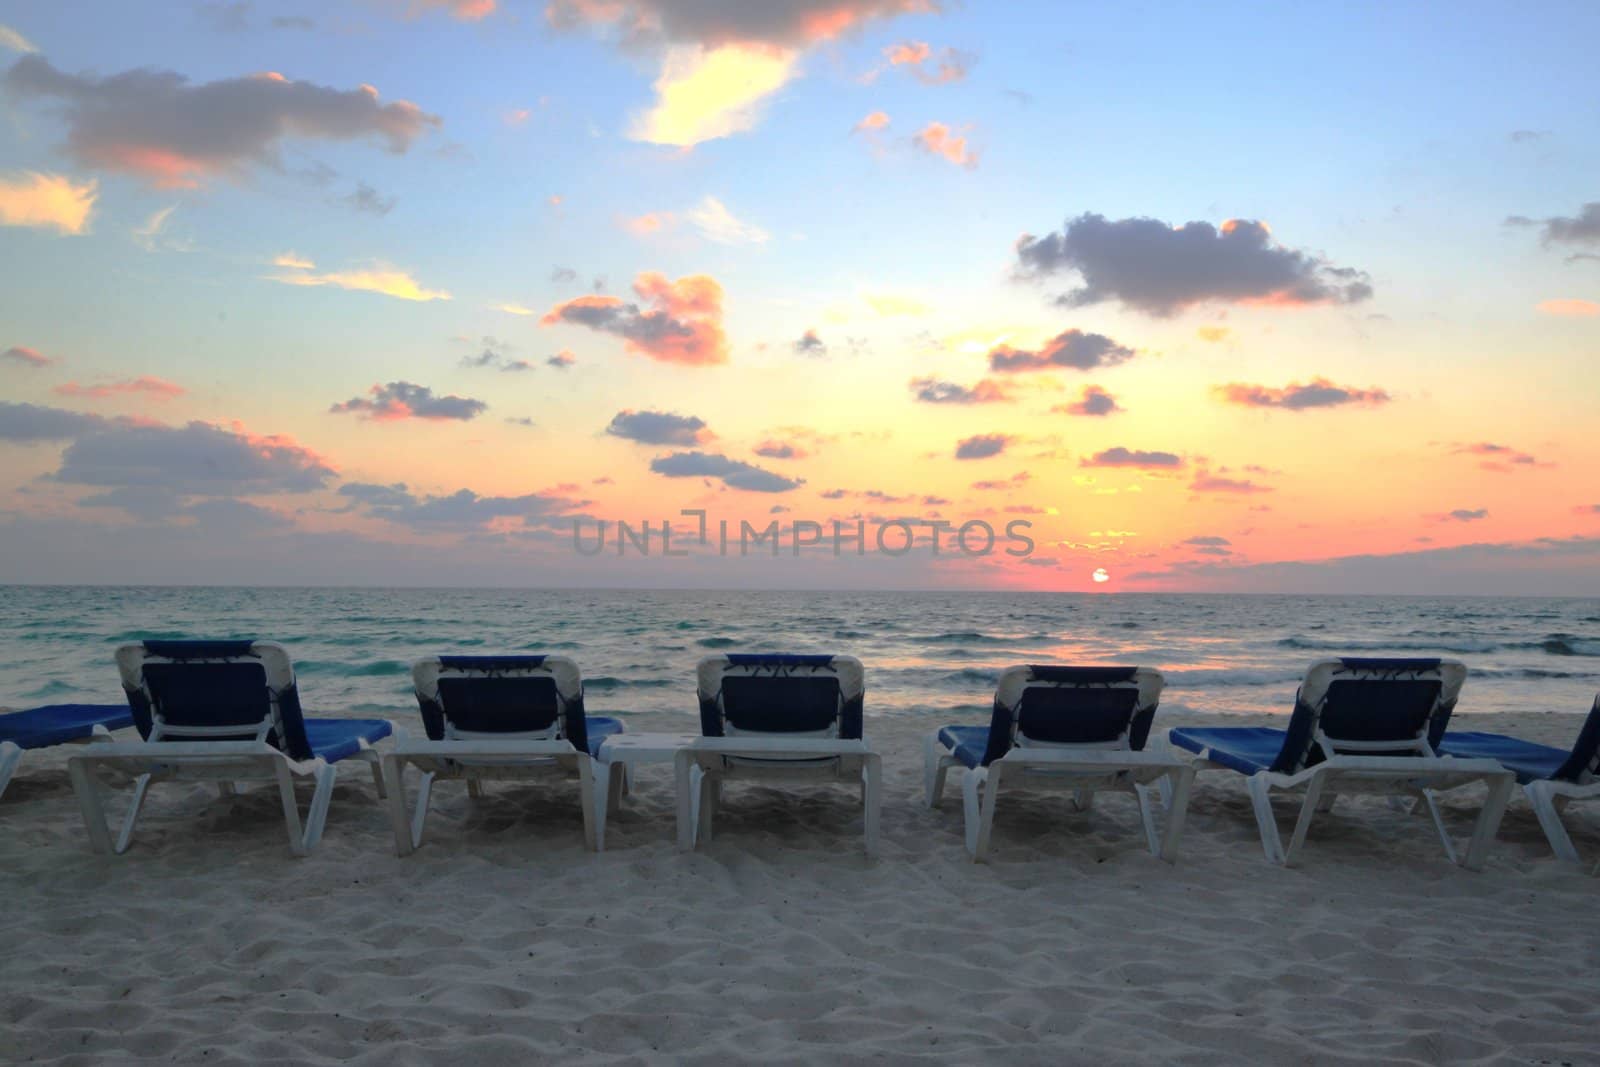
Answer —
1249 298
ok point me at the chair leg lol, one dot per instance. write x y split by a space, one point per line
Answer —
1308 808
1438 824
226 789
419 817
685 790
1494 809
1326 803
375 762
1083 799
90 805
474 789
591 835
394 770
317 814
1261 800
934 769
710 792
1543 801
602 774
1147 816
1180 783
291 812
978 805
10 759
125 838
872 803
616 776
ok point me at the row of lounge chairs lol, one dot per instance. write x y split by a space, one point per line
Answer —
229 711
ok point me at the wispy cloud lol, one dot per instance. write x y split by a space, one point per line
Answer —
938 139
734 473
378 278
716 223
682 325
1570 308
30 357
11 39
1127 457
145 385
982 446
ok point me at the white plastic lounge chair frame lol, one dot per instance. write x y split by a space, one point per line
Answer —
161 758
477 757
1577 778
11 754
836 752
1345 770
1082 769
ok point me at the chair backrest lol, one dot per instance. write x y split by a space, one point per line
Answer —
1583 766
1372 707
1085 707
807 696
537 697
236 690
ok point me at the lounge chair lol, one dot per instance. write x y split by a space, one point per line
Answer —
496 718
222 711
55 724
1361 727
776 717
1551 777
1081 729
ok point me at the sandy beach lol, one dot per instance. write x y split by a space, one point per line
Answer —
501 941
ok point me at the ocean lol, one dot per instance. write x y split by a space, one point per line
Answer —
934 654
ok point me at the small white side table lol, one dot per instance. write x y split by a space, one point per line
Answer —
619 754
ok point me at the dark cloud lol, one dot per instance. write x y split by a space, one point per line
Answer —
659 428
684 326
1582 228
486 358
1317 393
787 23
225 17
983 446
1095 401
1161 270
561 360
1123 457
1209 541
1526 136
1018 479
405 400
523 420
780 450
462 509
1466 515
159 126
292 22
32 422
810 345
1502 459
563 275
517 366
194 460
1072 349
733 473
1207 482
368 200
935 391
31 357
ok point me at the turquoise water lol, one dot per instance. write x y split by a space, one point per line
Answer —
924 652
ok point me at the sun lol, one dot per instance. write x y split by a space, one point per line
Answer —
1101 575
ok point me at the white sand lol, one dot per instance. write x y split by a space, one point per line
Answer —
501 941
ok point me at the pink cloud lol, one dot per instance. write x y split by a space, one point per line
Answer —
145 384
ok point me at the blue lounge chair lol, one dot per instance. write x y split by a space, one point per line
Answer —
1551 777
1362 727
54 724
223 711
1081 729
496 718
782 717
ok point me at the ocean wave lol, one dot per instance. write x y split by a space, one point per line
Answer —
376 669
973 637
717 642
1565 645
1208 677
608 682
1397 646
